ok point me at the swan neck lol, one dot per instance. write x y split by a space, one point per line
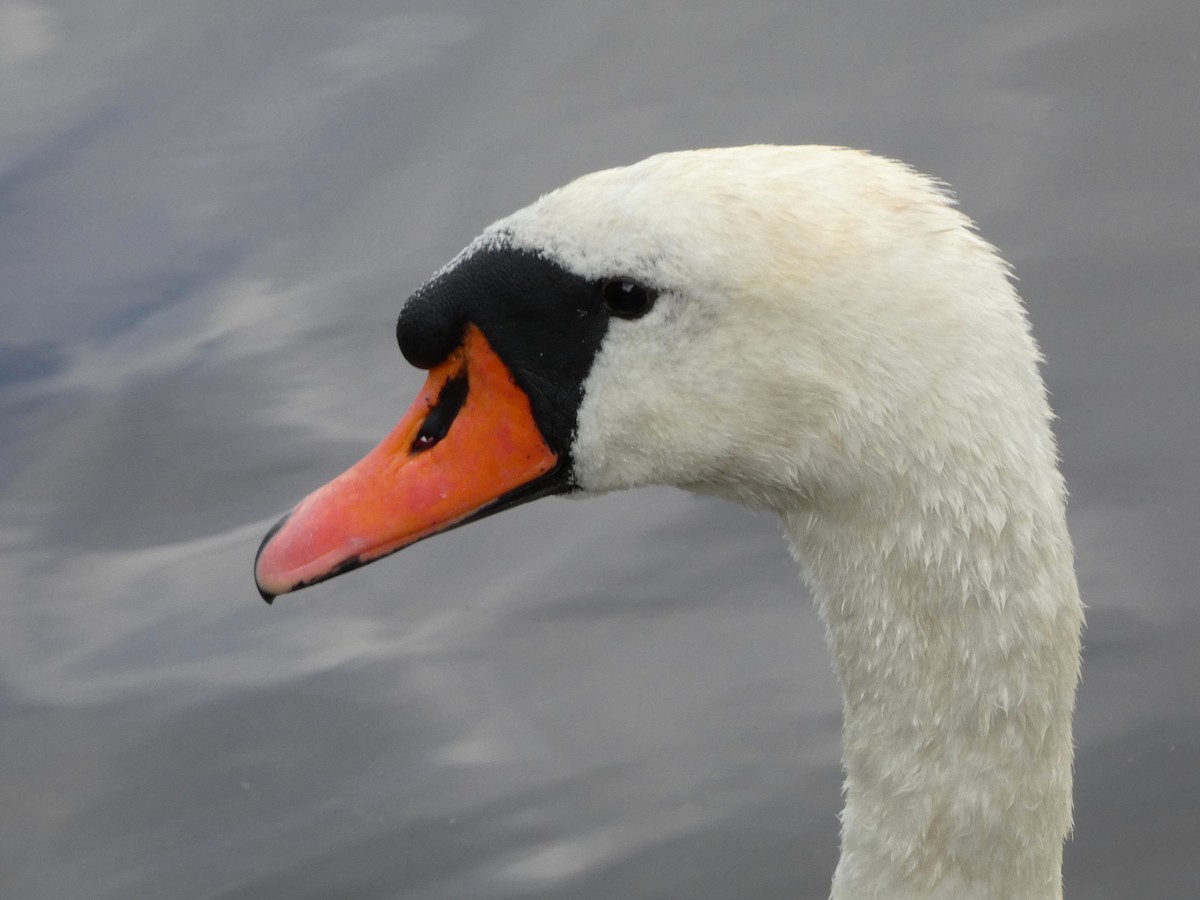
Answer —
955 635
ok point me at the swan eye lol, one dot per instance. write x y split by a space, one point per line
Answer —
626 298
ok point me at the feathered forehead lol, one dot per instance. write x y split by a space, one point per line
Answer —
697 208
635 219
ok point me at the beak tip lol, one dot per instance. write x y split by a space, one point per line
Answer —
268 596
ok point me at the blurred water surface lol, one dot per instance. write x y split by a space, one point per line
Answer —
209 215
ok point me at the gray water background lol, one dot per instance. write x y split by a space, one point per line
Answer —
209 215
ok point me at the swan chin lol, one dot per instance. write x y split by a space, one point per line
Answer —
810 330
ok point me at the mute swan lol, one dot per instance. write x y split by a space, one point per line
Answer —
810 330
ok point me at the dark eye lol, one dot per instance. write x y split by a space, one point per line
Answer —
627 298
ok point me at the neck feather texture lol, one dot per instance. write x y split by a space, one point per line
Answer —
953 616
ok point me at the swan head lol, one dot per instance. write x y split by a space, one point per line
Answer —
786 327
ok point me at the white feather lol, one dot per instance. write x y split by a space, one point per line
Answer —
834 342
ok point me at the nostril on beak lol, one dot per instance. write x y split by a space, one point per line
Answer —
449 403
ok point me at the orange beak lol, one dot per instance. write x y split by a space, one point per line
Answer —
467 447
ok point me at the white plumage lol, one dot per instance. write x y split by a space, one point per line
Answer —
835 343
